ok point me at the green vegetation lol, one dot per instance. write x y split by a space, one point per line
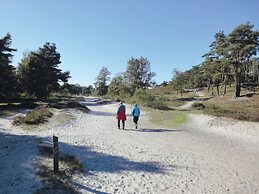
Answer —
168 119
8 80
138 74
118 88
230 68
232 60
38 72
101 81
37 75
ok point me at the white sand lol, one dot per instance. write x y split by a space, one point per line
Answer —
207 156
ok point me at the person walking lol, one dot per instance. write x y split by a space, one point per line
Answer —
121 115
135 113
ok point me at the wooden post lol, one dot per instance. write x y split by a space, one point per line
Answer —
55 154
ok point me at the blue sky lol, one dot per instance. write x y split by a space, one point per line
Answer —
91 34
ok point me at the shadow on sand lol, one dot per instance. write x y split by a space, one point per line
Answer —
95 102
154 130
99 113
91 160
101 162
17 153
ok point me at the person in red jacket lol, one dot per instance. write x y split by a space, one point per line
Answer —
121 115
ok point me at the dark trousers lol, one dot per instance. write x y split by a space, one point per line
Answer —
123 123
135 120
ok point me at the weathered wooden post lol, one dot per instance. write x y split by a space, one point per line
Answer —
55 154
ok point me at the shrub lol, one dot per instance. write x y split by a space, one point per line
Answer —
69 104
34 117
157 105
198 105
77 105
149 100
140 95
163 97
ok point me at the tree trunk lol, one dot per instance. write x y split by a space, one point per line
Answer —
208 86
217 88
225 88
181 92
238 82
238 90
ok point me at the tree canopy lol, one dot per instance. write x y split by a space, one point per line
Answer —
238 48
138 74
8 81
232 58
38 71
118 87
101 81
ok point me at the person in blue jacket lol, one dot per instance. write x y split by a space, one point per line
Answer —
135 113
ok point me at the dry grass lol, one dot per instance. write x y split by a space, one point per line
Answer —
60 182
243 108
34 117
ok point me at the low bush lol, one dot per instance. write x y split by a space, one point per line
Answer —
69 104
160 105
142 97
198 106
77 105
163 97
34 117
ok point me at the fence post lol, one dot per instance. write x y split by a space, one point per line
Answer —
55 154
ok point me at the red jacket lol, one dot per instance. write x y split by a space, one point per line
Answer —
121 113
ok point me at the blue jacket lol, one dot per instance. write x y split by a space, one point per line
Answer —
135 111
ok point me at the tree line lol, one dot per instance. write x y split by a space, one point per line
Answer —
232 59
37 75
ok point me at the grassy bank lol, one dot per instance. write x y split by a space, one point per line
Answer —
243 108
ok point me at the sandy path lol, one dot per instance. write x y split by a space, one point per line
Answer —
157 160
153 159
